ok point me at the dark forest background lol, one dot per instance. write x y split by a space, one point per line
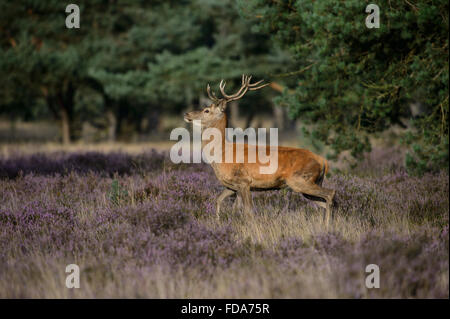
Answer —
132 64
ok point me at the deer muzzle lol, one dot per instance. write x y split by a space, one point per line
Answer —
187 117
192 116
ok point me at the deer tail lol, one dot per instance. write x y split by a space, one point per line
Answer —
324 169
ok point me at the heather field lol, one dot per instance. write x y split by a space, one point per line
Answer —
139 226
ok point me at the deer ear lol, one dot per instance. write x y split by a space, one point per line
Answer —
222 106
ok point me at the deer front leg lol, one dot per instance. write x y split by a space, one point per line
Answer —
225 193
237 202
246 199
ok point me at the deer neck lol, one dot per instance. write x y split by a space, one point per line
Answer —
221 125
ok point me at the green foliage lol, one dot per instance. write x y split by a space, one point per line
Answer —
429 152
353 81
117 194
127 58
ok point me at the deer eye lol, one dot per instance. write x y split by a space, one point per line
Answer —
206 111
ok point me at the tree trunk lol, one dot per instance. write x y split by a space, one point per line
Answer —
279 118
65 126
65 99
234 109
249 119
153 120
112 125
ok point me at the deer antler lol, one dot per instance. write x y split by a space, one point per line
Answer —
245 86
211 94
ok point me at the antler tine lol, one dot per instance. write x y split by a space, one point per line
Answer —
237 97
222 89
233 96
211 94
245 86
253 84
259 87
251 87
222 85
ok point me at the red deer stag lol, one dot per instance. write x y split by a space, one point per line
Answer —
299 169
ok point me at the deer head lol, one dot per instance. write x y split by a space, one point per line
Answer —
216 110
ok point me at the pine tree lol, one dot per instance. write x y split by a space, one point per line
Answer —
351 81
127 61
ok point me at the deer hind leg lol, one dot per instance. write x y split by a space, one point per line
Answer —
322 196
318 200
225 193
